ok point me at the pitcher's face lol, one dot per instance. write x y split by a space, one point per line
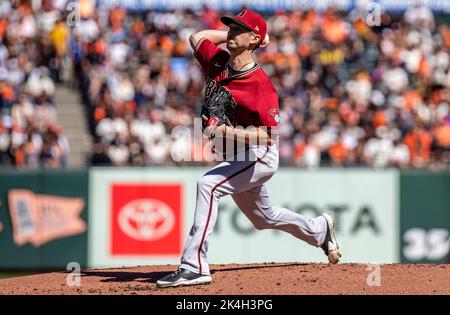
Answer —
240 38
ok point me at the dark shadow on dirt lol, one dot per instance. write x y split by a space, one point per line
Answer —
152 277
117 276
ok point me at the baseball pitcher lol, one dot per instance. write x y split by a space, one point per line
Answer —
240 104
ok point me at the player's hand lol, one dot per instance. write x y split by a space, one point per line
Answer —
211 130
265 42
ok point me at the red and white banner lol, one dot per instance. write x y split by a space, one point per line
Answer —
38 219
145 219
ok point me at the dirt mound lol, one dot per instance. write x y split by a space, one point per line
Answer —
258 279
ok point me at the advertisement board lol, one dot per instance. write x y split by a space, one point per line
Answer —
139 215
364 204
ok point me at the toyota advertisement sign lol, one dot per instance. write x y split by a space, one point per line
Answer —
142 217
137 218
145 219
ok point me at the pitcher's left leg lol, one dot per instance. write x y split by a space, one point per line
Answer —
319 231
255 204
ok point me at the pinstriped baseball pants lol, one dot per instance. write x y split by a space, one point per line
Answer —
244 180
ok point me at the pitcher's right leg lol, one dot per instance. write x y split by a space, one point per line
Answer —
226 178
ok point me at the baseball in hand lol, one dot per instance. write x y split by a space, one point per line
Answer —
265 42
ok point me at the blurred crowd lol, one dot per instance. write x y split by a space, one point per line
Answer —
30 65
350 94
358 95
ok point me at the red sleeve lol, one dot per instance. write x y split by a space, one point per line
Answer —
268 110
204 52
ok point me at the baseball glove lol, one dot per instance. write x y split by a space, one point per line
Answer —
217 110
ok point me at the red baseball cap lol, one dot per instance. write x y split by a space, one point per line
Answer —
249 20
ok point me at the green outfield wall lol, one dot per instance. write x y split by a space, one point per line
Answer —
44 245
425 217
105 217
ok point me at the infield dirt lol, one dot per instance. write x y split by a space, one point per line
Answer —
257 279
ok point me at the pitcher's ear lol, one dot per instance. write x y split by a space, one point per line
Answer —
257 37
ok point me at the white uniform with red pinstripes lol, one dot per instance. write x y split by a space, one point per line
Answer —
244 180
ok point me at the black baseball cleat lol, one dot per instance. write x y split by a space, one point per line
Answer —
182 277
330 246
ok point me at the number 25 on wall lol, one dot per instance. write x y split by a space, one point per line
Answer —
422 244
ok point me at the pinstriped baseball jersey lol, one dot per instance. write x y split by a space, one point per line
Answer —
255 104
255 98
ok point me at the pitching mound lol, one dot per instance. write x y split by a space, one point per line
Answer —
260 279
